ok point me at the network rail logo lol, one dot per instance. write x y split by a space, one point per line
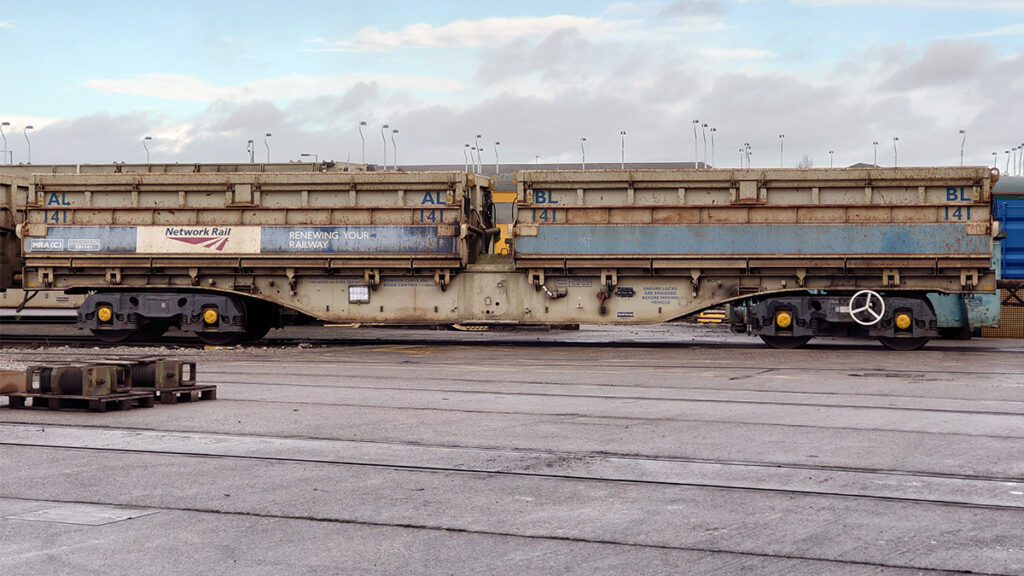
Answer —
210 237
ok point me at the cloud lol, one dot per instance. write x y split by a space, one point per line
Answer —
473 32
735 53
943 63
969 5
1009 30
694 8
6 24
188 88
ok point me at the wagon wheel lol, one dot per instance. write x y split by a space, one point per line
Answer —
903 344
785 342
112 336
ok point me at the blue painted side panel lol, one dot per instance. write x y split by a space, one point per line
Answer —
354 240
739 239
88 239
1010 213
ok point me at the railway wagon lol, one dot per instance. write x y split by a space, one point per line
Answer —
220 254
895 254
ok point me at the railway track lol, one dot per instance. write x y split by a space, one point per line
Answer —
478 463
404 433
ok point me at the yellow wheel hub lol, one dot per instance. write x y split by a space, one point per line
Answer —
903 321
104 314
210 316
783 320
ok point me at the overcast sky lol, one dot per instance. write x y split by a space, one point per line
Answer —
202 78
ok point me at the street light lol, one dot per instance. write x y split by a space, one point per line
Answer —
465 154
536 159
6 151
394 148
782 138
479 159
385 140
695 123
316 158
1007 152
875 144
995 159
704 132
741 158
622 134
713 130
747 152
362 139
267 144
962 142
250 147
895 152
583 150
496 160
145 144
831 157
27 128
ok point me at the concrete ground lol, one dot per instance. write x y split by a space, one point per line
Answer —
672 449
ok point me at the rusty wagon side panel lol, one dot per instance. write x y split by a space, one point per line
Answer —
909 228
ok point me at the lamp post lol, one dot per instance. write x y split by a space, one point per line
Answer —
145 144
385 140
695 123
875 144
583 150
741 158
995 159
479 158
782 138
497 161
536 159
831 158
465 155
27 128
266 144
704 132
895 152
250 147
6 151
1007 152
713 130
747 152
362 140
962 142
394 149
622 157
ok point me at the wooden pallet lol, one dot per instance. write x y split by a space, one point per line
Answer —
123 401
185 394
